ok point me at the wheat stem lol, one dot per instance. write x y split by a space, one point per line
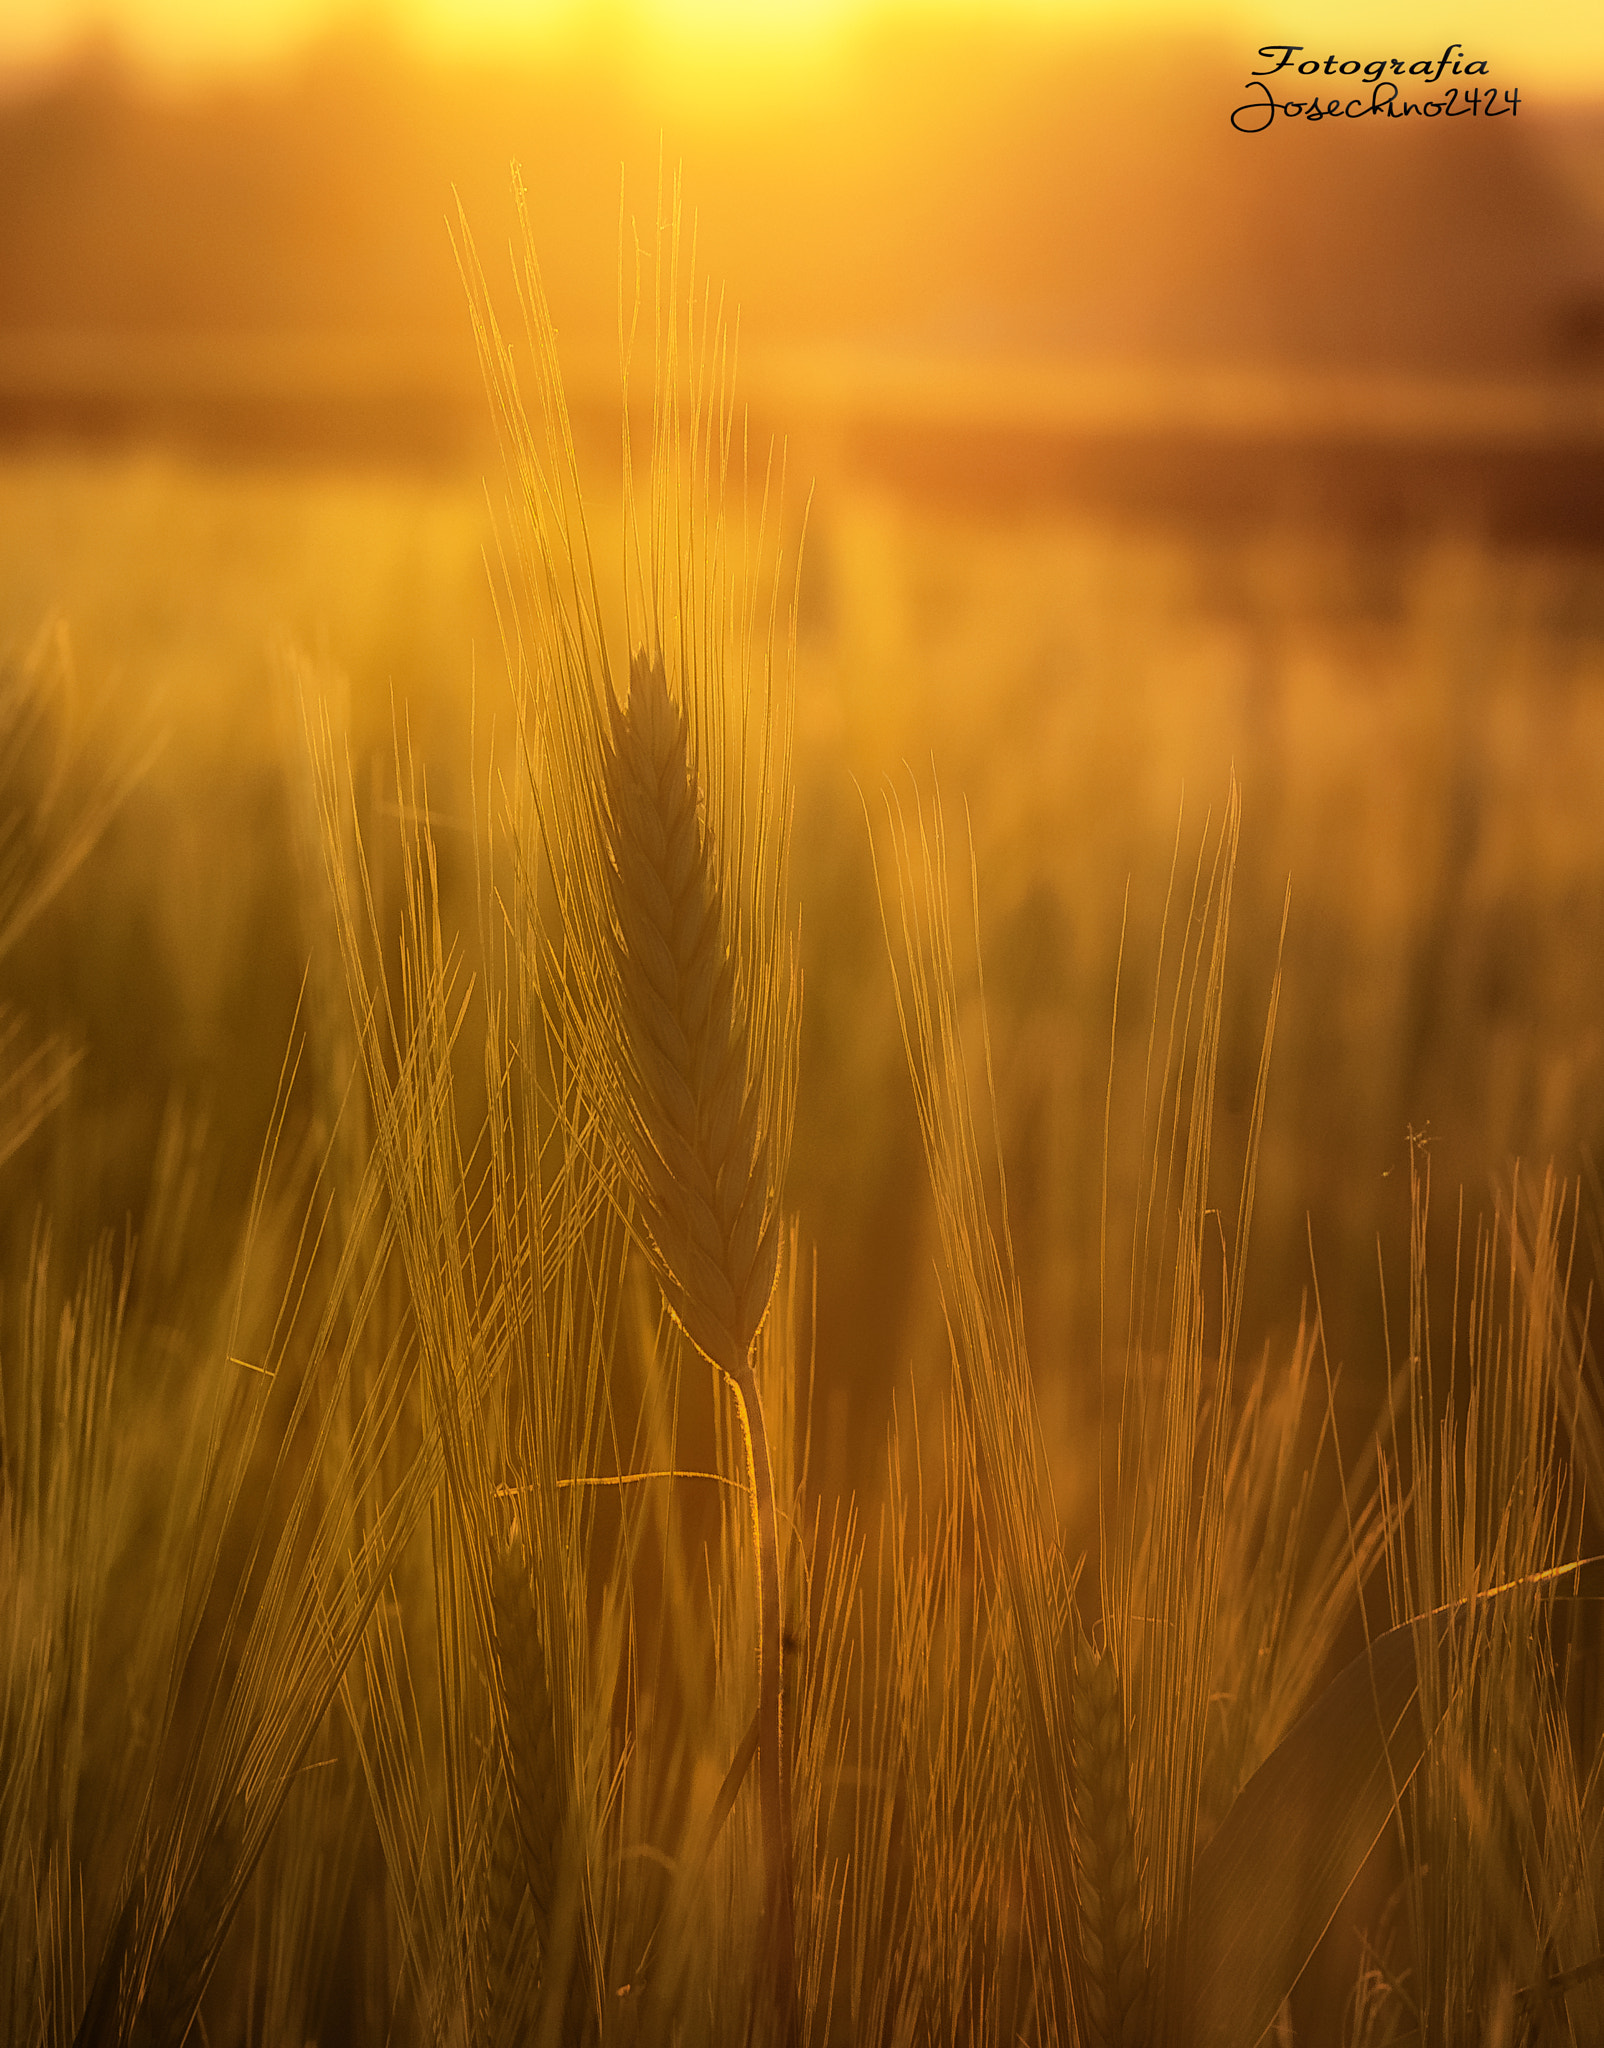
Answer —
774 1790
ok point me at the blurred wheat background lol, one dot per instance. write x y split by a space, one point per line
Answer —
1134 456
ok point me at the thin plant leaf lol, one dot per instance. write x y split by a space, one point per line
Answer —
1274 1877
1275 1874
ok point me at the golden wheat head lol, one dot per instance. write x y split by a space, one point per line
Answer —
700 1140
1112 1941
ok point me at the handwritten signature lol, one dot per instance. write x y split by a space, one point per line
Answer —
1254 116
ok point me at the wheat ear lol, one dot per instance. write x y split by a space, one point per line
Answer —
534 1780
1115 1975
699 1137
702 1149
506 1886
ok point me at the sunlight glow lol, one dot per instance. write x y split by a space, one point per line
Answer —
1554 45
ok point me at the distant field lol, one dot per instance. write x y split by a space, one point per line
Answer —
1521 458
1417 725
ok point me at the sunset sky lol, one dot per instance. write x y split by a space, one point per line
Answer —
1549 46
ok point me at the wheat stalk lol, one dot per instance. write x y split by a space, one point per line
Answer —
1115 1975
703 1152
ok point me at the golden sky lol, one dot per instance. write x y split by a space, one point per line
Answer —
1544 45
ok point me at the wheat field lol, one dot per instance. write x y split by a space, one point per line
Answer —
692 1344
